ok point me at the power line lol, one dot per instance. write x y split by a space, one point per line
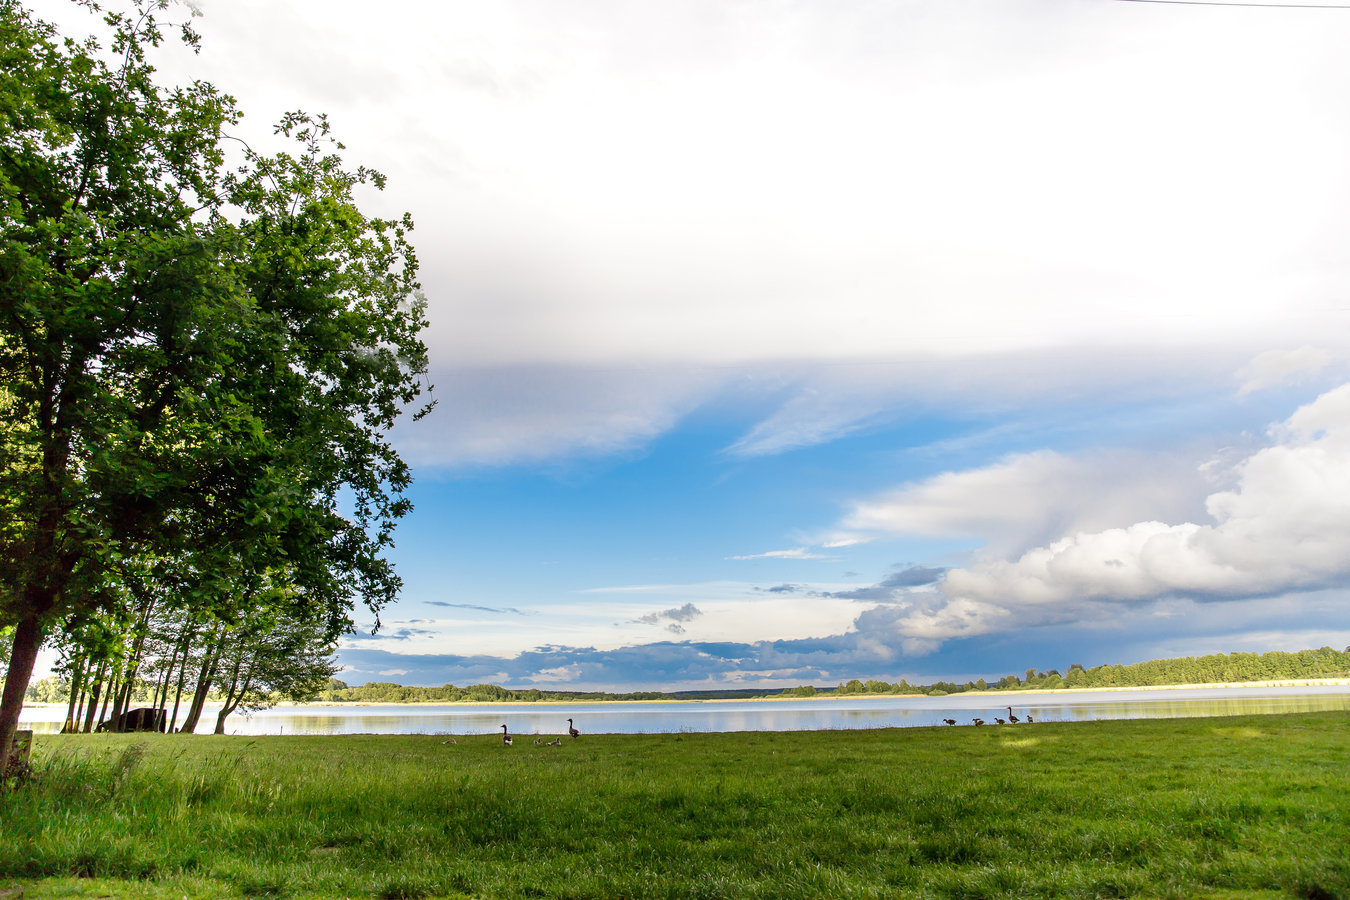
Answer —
1226 3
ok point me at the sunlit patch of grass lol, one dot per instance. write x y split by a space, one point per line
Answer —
1018 743
1241 732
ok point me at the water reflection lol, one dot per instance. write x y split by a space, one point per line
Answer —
776 715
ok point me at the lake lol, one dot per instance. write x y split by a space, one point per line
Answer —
760 715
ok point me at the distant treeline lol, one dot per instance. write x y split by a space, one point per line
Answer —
1219 667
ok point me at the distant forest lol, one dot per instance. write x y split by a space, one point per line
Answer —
1219 667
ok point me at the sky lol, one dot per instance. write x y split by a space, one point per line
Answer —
785 342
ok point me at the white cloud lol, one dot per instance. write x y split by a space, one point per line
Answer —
694 184
1274 368
1283 528
718 611
794 553
557 675
1028 498
849 541
507 416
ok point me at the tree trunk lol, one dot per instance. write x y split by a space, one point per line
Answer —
114 685
182 673
134 663
95 691
27 639
233 695
76 679
162 695
208 672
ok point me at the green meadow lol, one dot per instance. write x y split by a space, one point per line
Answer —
1254 806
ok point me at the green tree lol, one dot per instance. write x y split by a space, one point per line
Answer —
280 651
194 354
49 690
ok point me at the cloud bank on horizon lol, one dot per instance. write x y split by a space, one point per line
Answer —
1283 529
783 343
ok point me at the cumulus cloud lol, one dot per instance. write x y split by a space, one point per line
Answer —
1029 498
1282 528
672 617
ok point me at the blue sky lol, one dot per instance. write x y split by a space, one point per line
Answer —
784 342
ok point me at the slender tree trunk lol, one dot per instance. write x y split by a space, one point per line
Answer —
95 691
188 637
134 663
233 694
76 683
87 672
162 696
27 639
114 685
208 672
178 694
124 695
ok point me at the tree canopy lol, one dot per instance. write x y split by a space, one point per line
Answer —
202 348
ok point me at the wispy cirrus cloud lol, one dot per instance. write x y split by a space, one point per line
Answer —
794 553
491 609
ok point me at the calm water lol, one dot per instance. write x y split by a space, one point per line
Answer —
777 715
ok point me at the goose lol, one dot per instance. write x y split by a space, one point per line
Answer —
999 721
506 738
1028 719
538 741
556 742
1011 718
950 721
978 721
450 741
571 729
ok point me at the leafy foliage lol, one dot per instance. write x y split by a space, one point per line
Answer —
201 354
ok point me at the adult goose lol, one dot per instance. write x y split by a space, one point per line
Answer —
506 738
571 729
1011 718
950 721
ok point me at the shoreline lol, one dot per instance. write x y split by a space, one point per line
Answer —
1226 685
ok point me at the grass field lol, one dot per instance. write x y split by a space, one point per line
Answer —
1235 807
